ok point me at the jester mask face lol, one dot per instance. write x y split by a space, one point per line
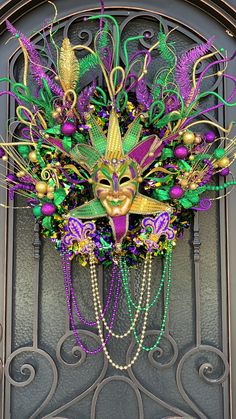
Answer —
116 184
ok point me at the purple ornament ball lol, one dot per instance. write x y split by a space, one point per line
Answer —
48 209
224 172
68 128
176 192
181 152
210 137
2 152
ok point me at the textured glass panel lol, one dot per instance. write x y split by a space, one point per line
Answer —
210 276
23 279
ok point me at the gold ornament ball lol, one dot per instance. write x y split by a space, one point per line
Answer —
50 189
4 158
90 180
191 158
46 136
40 195
41 187
21 173
33 156
198 139
224 162
188 138
58 109
140 179
193 186
151 154
219 73
50 195
184 183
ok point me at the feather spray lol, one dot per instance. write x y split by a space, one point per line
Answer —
69 66
84 98
143 95
37 69
184 66
168 55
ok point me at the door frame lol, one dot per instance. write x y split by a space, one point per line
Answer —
223 21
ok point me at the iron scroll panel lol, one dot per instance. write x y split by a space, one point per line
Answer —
48 377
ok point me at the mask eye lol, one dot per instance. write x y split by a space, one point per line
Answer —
124 179
105 182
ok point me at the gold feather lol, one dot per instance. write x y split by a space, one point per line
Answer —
69 66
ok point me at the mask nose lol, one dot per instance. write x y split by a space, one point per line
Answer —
115 183
116 193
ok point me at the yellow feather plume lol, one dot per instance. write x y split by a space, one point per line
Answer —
69 66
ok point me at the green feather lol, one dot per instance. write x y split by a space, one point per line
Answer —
90 61
166 76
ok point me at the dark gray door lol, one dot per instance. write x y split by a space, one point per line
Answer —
46 376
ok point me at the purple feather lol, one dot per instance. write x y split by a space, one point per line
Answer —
84 98
21 186
184 66
143 95
37 70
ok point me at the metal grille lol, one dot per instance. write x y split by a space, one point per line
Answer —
47 376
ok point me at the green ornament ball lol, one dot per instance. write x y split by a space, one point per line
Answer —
219 153
166 153
24 150
37 211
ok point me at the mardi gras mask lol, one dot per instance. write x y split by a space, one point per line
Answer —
115 185
116 167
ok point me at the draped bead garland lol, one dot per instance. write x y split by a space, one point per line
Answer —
119 276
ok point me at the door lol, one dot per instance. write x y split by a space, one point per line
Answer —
191 374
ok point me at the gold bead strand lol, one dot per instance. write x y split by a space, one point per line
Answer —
93 279
138 311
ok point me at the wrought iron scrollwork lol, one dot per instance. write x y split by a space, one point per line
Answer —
116 378
28 369
205 369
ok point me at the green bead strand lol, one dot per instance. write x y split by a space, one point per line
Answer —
220 187
154 346
125 282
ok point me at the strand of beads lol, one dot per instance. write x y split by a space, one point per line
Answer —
102 312
220 187
156 297
137 313
67 282
166 307
139 348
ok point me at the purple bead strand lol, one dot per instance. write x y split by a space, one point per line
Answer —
77 310
68 279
